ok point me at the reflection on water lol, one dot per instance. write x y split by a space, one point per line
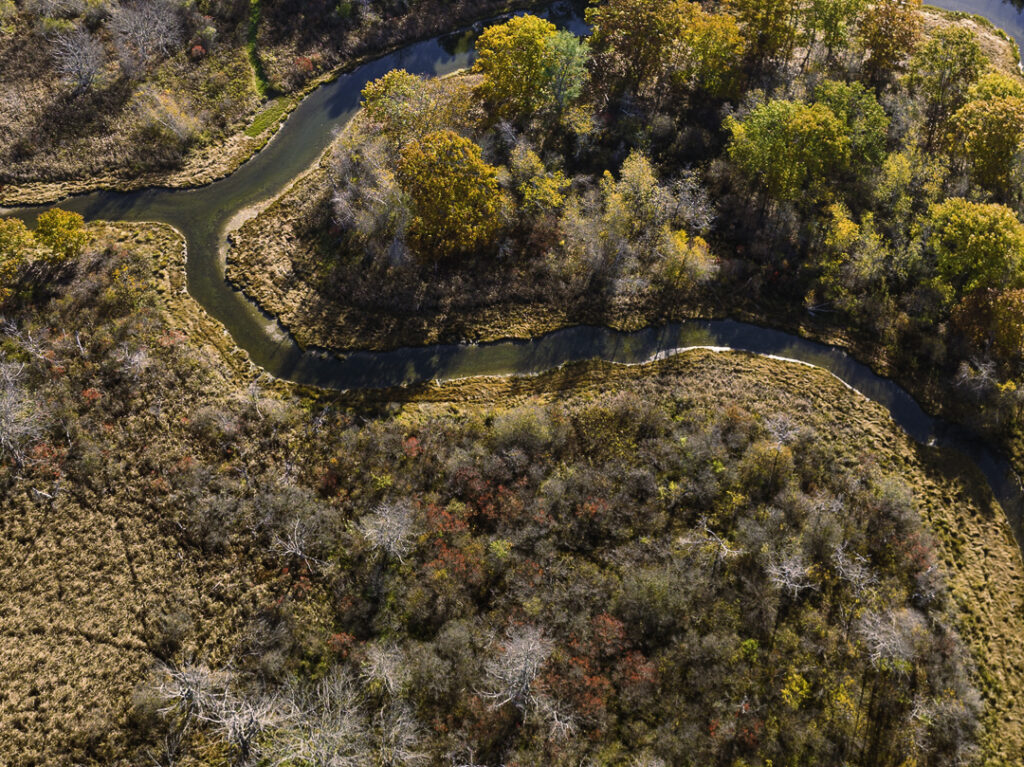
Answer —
201 215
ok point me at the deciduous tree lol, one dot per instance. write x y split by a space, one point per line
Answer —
888 31
789 148
79 58
988 132
941 72
975 245
63 232
517 61
453 194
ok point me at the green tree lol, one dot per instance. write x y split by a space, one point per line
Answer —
707 52
453 194
565 71
403 106
975 245
832 21
866 121
770 26
63 232
789 148
16 242
516 60
941 71
888 31
633 40
988 133
993 319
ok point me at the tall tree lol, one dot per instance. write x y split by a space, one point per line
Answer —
789 148
565 71
772 27
63 232
864 117
832 22
707 52
941 72
975 245
988 132
15 243
515 59
888 31
453 194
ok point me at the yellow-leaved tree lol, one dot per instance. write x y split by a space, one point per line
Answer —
453 194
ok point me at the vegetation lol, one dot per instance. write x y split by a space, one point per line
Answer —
714 559
99 93
858 186
628 571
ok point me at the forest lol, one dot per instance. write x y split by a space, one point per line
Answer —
849 169
714 558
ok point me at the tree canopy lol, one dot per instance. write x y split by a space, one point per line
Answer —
789 148
453 194
976 245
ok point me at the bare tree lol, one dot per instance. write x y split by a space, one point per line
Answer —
790 574
891 635
330 730
398 734
144 29
189 690
297 544
386 667
56 9
390 528
512 673
79 58
854 569
241 720
21 420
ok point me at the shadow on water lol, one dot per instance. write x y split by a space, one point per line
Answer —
201 215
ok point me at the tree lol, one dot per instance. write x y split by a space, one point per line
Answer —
789 148
79 58
453 194
706 53
865 120
975 245
511 674
770 26
403 107
15 243
516 59
63 232
833 20
390 528
565 72
988 132
993 319
888 31
633 38
941 71
142 30
22 418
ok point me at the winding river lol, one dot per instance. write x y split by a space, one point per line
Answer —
202 215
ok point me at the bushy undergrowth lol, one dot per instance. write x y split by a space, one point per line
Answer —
635 577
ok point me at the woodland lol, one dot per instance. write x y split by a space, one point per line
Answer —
711 559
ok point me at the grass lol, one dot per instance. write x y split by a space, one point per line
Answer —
270 116
264 87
